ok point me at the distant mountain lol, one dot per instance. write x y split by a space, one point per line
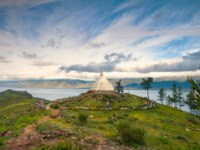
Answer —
60 83
76 83
160 84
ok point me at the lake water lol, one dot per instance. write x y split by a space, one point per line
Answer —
48 93
53 94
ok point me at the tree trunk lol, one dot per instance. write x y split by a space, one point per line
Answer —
148 94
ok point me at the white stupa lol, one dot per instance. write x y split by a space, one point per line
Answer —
102 84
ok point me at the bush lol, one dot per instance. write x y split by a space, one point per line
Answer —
55 106
46 127
131 136
83 118
60 146
163 140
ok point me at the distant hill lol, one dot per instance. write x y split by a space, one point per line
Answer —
56 83
10 97
76 83
160 84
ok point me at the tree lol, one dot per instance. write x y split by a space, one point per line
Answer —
190 101
119 88
193 98
169 100
147 84
180 98
174 94
162 95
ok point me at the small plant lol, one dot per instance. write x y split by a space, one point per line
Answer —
83 118
60 146
43 128
179 137
46 127
55 106
163 140
131 136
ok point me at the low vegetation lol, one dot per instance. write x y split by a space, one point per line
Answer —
89 125
130 135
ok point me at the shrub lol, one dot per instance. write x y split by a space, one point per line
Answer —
83 118
55 106
163 140
46 127
131 136
60 146
43 128
179 137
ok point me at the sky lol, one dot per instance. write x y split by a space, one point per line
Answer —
52 39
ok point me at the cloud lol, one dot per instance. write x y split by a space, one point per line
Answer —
189 62
96 45
109 65
20 3
61 30
29 55
3 60
42 63
118 57
52 44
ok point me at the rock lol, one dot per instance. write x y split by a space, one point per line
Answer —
73 137
188 130
90 140
197 129
70 132
5 133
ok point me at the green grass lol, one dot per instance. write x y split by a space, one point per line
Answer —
165 128
16 112
99 101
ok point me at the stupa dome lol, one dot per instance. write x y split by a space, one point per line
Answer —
102 84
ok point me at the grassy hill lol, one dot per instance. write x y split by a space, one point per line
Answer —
16 112
10 97
128 124
164 127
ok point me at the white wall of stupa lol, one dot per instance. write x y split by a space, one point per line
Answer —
102 84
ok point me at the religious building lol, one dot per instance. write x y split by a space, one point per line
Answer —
102 84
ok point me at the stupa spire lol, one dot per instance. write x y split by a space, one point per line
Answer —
101 73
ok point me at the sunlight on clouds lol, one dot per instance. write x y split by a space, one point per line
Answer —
38 37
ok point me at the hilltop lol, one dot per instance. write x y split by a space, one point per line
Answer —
10 97
83 122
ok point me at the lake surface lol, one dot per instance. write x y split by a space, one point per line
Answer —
48 93
54 93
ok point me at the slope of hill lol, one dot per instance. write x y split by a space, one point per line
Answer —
10 97
16 112
165 127
89 124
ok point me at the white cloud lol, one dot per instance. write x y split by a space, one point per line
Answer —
60 38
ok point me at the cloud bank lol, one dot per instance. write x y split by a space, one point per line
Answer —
189 62
108 65
84 38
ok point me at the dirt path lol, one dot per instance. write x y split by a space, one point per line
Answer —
25 139
29 135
